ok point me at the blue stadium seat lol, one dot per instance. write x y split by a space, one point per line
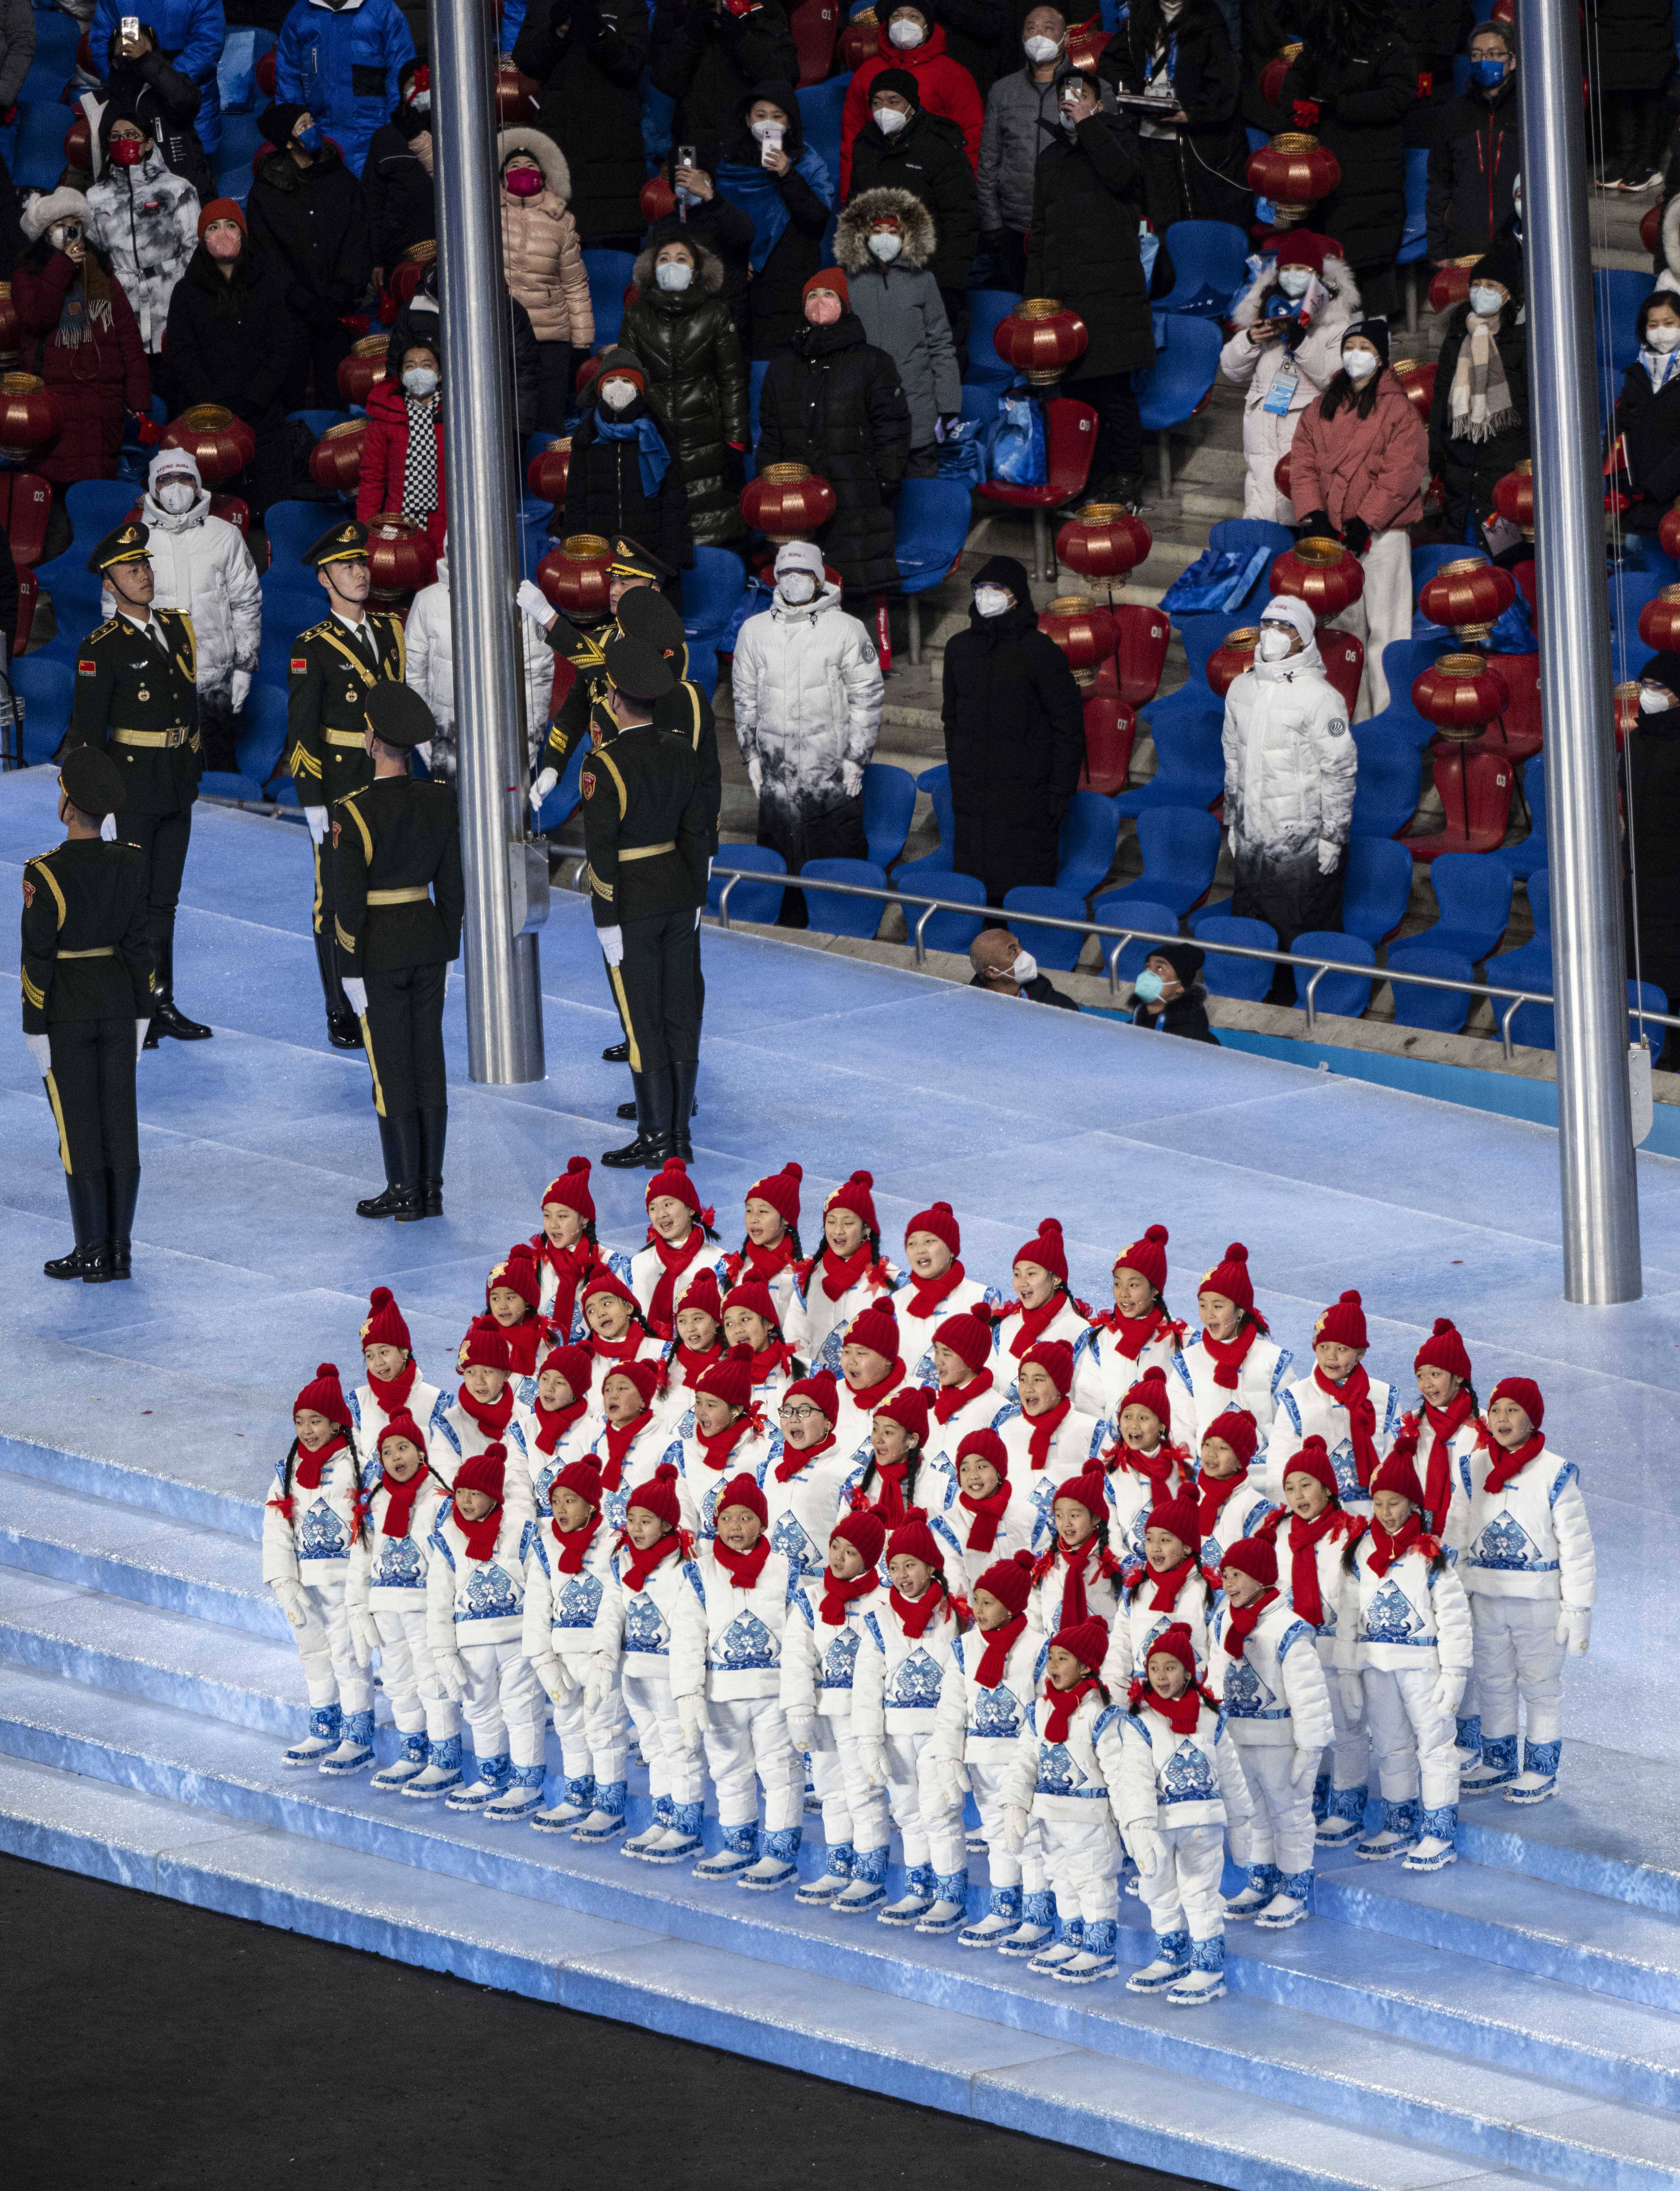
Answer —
945 932
1414 236
1208 258
96 507
755 389
1055 949
933 517
1539 888
1190 764
1443 1010
819 105
1528 967
1244 535
1528 857
1160 919
37 158
832 914
318 423
928 875
1183 372
1385 794
1474 897
1227 976
981 399
45 689
293 528
1617 294
759 902
936 782
1180 845
610 275
711 590
988 308
1375 888
1345 994
1205 632
888 802
1085 852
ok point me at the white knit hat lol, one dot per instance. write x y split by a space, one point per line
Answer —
799 555
1286 608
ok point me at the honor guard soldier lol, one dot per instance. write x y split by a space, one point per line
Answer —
136 696
87 973
647 828
335 665
400 902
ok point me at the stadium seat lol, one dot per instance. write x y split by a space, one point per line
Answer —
936 782
834 913
1180 845
1110 729
748 901
1475 787
37 156
1189 766
1176 386
1443 1011
1204 633
819 105
293 528
1209 258
1403 661
1343 658
1539 888
815 25
1228 977
987 310
1070 444
888 802
1385 793
321 422
26 502
945 932
96 507
610 274
29 591
712 592
1347 995
1085 852
1055 949
1158 920
981 399
755 389
1518 731
932 520
1243 535
1145 634
45 689
1375 888
1474 897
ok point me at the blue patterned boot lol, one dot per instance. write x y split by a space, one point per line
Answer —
1539 1776
1497 1768
409 1764
681 1839
573 1808
355 1752
868 1889
1292 1903
1050 1958
442 1773
1320 1799
1263 1881
1433 1850
921 1891
1469 1739
1396 1834
738 1848
779 1863
1204 1980
521 1798
1344 1815
835 1874
1037 1927
1003 1914
951 1909
664 1815
326 1726
1096 1958
607 1818
1171 1960
492 1778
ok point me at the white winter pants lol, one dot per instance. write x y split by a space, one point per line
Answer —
854 1812
1081 1858
747 1742
1383 613
411 1685
673 1769
505 1708
1516 1655
1181 1894
1026 1870
932 1831
1352 1754
330 1669
1411 1741
592 1742
1284 1828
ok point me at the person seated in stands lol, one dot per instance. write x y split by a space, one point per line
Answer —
1168 998
1003 966
1648 414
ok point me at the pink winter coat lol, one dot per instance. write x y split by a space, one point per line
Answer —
540 250
1373 467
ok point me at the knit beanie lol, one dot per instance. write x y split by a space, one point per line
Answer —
968 1336
1149 1392
876 1328
853 1194
1444 1349
571 1188
1179 1515
1147 1256
484 1473
573 1363
864 1532
403 1425
1089 1490
1009 1581
1230 1277
1301 247
942 1222
581 1477
730 1380
643 1375
1397 1474
1314 1459
384 1326
1087 1639
1175 1640
910 1408
698 1289
658 1496
484 1347
898 80
820 1390
1046 1249
986 1445
914 1537
1054 1357
674 1180
1287 609
1523 1390
520 1274
780 1189
830 277
743 1491
221 210
1005 571
325 1396
609 1281
1240 1431
1254 1556
1373 331
1342 1322
1503 265
755 1296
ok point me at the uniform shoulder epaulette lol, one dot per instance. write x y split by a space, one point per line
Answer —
316 629
103 630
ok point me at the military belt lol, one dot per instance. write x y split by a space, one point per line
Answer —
99 951
156 741
345 738
646 851
414 894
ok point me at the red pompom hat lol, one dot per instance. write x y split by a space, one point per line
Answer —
699 1290
571 1189
820 1390
755 1296
574 1364
1087 1639
1301 247
853 1194
582 1478
743 1491
485 1348
909 1407
989 1446
1397 1473
1054 1357
1149 1392
1343 1323
942 1222
968 1336
674 1180
1523 1390
643 1375
609 1281
384 1326
1230 1277
325 1396
864 1532
1089 1490
1254 1556
520 1273
876 1328
1313 1461
658 1496
780 1189
1046 1249
914 1537
1009 1581
1147 1256
486 1472
403 1426
730 1380
1181 1515
1175 1640
1239 1429
1444 1349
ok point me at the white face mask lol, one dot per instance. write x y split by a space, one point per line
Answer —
1293 280
619 395
888 121
991 600
674 274
1024 969
797 588
422 102
1274 642
178 497
1654 701
886 246
904 34
1040 50
1359 364
1483 301
1662 340
420 380
763 131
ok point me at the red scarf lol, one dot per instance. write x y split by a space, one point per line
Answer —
717 1446
491 1416
772 1361
1063 1703
1169 1581
764 1263
1034 1321
1156 1468
889 1502
837 1595
788 1469
869 1398
1386 1549
1214 1491
914 1614
1437 1472
1353 1393
1241 1624
1229 1355
400 1509
997 1651
524 1339
1304 1539
571 1266
392 1392
1180 1713
619 1442
618 1350
988 1512
927 1293
309 1467
950 1397
1505 1465
1132 1333
673 1261
691 1364
554 1423
480 1536
840 1273
1074 1607
574 1543
742 1568
1044 1428
642 1564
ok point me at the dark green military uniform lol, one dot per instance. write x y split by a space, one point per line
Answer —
86 968
334 665
136 699
400 903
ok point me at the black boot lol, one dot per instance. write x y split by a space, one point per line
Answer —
399 1140
343 1030
684 1074
629 1111
617 1053
434 1130
165 1018
122 1190
89 1260
652 1144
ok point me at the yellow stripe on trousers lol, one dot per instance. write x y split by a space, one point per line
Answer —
367 1044
58 1114
617 980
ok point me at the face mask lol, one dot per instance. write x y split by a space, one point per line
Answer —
674 274
223 243
1149 985
1487 74
1274 642
1484 302
1662 340
57 236
904 34
991 600
886 248
310 139
888 121
1024 969
523 183
419 380
763 131
1359 364
797 588
619 395
422 102
177 498
1654 703
1293 280
1040 50
125 152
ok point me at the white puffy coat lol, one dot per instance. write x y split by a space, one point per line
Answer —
201 564
1266 435
1289 758
147 218
807 685
429 668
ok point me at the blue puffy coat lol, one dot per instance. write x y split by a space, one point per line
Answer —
343 65
190 32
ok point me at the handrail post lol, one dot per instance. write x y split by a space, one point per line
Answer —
1311 998
724 901
921 934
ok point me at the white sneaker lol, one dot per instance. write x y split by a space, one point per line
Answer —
1196 1987
1431 1853
1245 1905
1282 1911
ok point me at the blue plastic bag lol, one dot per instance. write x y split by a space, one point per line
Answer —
1218 579
1513 633
960 459
1014 443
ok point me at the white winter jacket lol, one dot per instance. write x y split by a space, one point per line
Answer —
1275 1693
1289 758
307 1535
737 1655
1136 1624
1256 368
819 1662
453 1437
1167 1780
1306 1410
1074 1778
807 683
429 667
202 564
899 1678
560 1609
147 218
388 1575
470 1600
1414 1618
982 1726
1531 1540
637 1629
423 1406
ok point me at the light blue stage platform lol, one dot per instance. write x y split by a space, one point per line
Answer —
1516 2019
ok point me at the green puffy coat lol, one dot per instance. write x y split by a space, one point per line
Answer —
696 387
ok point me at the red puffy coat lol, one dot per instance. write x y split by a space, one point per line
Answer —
1371 468
97 382
945 86
384 452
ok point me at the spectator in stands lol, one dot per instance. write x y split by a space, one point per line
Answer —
429 665
17 50
307 214
979 36
588 56
625 476
1477 155
728 233
885 241
80 336
1169 997
397 178
1628 46
1003 966
1014 735
680 328
402 450
1478 415
707 53
785 191
171 86
1358 466
1194 152
1285 351
543 262
146 219
1087 203
1651 840
232 339
417 320
832 401
1289 768
343 64
1021 117
910 40
904 148
1648 414
807 685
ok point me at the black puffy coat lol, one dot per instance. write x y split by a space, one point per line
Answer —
1469 470
231 339
1200 175
312 221
1631 42
983 35
707 59
1363 97
696 387
402 207
1473 166
776 302
1649 421
166 102
927 158
834 402
588 60
604 492
1086 201
727 233
1014 732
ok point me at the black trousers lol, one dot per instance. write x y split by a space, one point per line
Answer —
163 838
318 357
1011 261
91 1087
324 907
553 386
658 992
1120 423
403 1033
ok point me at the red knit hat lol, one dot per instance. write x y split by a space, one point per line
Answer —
574 1364
609 1281
659 1495
384 1326
1230 1277
1342 1322
753 1294
221 210
1444 1349
780 1189
909 1407
988 1446
864 1532
828 277
853 1194
1089 1489
729 1379
1313 1461
674 1180
1301 247
1046 1249
968 1335
1147 1256
1397 1473
1523 1390
877 1327
1180 1515
403 1425
914 1537
643 1375
743 1491
520 1273
699 1290
1254 1556
1149 1392
942 1222
1010 1581
485 1347
1239 1429
582 1478
1087 1639
325 1395
1054 1357
484 1473
820 1388
571 1188
1175 1640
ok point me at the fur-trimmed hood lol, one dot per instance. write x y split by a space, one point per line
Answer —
547 155
851 233
41 213
1319 349
707 265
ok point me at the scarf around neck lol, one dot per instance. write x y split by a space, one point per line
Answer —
840 1273
742 1568
307 1470
915 1613
642 1564
1229 1355
619 1439
717 1446
764 1263
1479 406
795 1460
571 1266
987 1513
927 1293
1507 1465
1035 1322
672 1262
1353 1393
480 1536
1132 1333
691 1364
1409 1536
1304 1539
1212 1493
491 1416
574 1543
1043 1432
1156 1468
653 458
890 1501
392 1392
998 1644
400 1503
1242 1621
950 1398
1180 1713
554 1423
1169 1581
1444 1424
837 1595
1074 1607
869 1398
1063 1703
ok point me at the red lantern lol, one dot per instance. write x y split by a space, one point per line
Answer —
659 200
1103 540
1460 694
1040 339
30 414
11 329
1084 632
265 69
1418 380
1323 573
547 472
219 443
1294 171
515 96
1469 596
410 271
78 152
400 557
1281 474
1276 69
335 461
1234 654
574 576
1668 533
1085 42
1514 497
365 365
1650 228
1659 620
860 41
1451 283
787 502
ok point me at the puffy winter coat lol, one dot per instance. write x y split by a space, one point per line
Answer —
202 565
147 218
808 690
313 222
832 401
799 205
342 62
1021 119
96 380
929 159
429 665
1469 470
1372 468
540 255
17 48
696 387
1362 101
1473 166
1199 169
165 103
1631 42
1087 203
706 58
944 86
1290 759
231 337
402 208
1255 368
1014 733
900 307
190 33
588 56
384 455
605 492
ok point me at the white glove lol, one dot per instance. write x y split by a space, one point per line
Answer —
557 1682
543 785
1353 1693
802 1730
691 1718
612 944
1329 854
698 911
316 818
451 1670
872 1762
1574 1628
755 776
535 603
1017 1824
40 1048
356 991
1448 1693
363 1637
242 689
1145 1845
293 1602
141 1027
599 1687
851 782
1304 1769
948 1779
108 829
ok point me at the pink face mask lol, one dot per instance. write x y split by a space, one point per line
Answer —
125 152
223 242
523 183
